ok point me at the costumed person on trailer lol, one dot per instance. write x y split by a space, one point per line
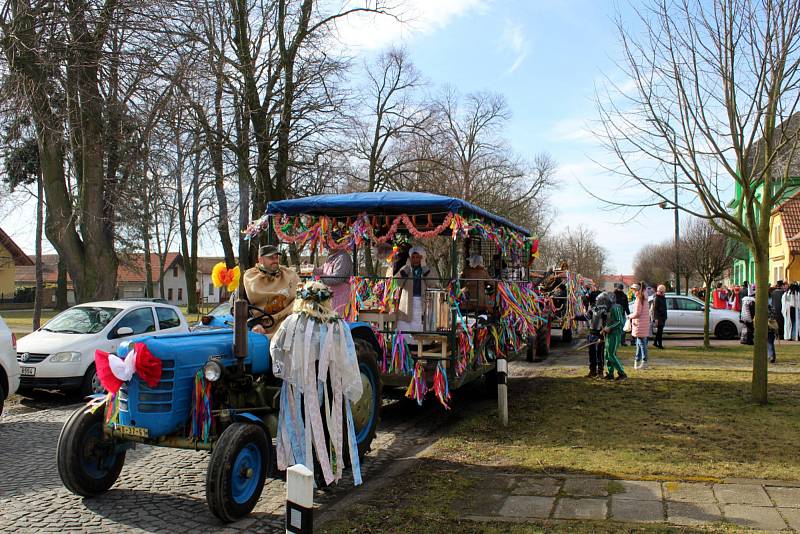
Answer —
475 280
415 278
313 347
335 273
271 287
613 332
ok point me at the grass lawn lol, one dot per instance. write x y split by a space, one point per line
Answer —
788 352
663 423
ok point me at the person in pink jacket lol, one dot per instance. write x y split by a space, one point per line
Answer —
640 325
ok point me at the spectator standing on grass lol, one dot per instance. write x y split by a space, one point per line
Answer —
746 317
622 299
658 314
776 298
640 326
613 332
772 330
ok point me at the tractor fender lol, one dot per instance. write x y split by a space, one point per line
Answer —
364 331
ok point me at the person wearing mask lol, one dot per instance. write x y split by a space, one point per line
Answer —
622 299
613 334
335 273
271 287
640 326
597 316
658 314
414 279
777 305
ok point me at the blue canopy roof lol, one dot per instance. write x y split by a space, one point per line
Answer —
384 203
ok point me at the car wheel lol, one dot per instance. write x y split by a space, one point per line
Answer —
88 462
237 471
2 397
91 382
726 330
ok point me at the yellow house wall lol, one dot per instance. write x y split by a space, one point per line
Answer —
7 273
779 254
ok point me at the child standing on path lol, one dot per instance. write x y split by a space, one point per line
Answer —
613 331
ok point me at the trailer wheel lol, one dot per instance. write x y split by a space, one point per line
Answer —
237 470
566 335
88 462
543 343
367 410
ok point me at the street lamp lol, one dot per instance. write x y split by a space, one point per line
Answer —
665 125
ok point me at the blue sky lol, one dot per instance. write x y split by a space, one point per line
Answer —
545 57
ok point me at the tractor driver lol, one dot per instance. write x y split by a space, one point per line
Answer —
271 287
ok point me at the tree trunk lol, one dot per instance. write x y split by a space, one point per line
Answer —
706 312
37 299
215 146
62 303
759 382
244 178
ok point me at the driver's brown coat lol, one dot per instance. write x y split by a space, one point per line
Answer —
273 294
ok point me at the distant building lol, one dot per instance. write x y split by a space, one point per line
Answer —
11 259
132 278
607 281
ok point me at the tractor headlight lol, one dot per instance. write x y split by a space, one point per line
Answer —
212 370
65 357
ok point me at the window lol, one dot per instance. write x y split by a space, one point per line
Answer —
180 294
167 318
210 290
688 305
778 234
141 321
175 271
169 294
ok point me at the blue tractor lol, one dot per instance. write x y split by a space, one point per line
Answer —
244 413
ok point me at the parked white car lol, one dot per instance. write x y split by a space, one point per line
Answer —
9 369
60 355
685 316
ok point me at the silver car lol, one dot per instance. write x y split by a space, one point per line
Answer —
685 316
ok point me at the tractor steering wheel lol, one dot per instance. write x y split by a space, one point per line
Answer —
270 321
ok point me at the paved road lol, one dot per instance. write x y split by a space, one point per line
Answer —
163 490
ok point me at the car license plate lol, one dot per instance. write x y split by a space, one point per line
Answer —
28 371
133 431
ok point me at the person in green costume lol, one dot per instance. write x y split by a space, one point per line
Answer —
613 331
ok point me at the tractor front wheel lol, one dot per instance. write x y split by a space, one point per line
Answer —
237 470
89 462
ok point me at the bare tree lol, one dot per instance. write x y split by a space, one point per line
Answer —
715 88
652 263
578 248
710 253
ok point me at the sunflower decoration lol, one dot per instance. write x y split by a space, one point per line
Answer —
222 276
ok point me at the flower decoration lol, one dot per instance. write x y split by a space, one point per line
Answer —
221 276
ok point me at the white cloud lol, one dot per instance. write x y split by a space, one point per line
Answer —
514 41
366 31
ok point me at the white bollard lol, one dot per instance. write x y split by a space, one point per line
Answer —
502 390
299 500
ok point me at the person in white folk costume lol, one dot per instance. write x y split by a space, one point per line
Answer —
790 306
415 279
313 334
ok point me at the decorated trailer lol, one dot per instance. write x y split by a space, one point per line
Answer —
225 391
481 307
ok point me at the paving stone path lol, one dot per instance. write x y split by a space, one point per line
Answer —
161 490
769 505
